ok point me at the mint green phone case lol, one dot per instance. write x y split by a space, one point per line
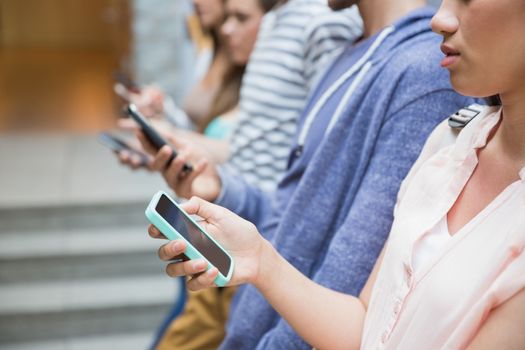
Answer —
159 222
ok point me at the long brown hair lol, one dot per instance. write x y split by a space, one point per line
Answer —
227 97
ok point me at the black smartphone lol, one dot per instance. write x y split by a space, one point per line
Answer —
152 135
117 144
126 81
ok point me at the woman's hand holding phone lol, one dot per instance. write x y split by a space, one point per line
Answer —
238 236
203 181
128 153
133 160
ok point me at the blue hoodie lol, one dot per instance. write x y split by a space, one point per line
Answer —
358 137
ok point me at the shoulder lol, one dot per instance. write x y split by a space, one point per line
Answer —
339 25
413 72
447 132
314 17
300 11
416 61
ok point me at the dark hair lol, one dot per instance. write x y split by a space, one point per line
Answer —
493 100
228 95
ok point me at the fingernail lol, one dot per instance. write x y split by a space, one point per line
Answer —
210 272
199 264
176 246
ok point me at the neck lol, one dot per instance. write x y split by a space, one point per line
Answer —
378 14
512 128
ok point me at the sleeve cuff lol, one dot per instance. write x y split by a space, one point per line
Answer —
231 186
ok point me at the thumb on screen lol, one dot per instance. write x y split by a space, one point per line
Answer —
202 208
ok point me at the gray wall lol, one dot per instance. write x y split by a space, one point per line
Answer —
162 52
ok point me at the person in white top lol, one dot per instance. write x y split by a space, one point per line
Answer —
471 292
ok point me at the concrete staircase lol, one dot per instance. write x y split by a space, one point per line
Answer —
77 269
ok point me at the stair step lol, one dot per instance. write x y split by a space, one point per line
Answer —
70 243
82 323
130 341
54 296
79 267
61 309
78 254
71 217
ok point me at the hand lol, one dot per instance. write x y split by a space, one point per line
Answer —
149 101
134 160
202 181
130 125
238 236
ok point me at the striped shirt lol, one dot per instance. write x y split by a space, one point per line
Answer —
295 43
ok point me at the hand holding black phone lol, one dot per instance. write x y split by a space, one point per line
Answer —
117 144
152 135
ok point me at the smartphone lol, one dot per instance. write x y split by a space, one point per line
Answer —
117 144
152 135
126 81
165 214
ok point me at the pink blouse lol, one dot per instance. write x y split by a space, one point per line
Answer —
443 304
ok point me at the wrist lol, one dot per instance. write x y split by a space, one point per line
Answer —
218 187
268 266
226 197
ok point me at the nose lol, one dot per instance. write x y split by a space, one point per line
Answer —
445 21
228 26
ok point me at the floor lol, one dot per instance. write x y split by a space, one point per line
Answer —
58 169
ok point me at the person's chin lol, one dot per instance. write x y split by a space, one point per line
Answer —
239 60
463 85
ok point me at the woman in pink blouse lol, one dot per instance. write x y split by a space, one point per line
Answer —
453 272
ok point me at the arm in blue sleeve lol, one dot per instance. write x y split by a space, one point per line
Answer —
245 200
353 250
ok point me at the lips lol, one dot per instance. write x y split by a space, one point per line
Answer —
449 51
232 46
451 55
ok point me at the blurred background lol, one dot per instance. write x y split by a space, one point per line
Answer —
77 270
58 57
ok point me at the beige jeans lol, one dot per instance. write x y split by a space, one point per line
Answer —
201 325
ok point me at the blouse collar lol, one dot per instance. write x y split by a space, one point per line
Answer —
474 136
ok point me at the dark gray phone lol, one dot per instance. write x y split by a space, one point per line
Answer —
152 135
117 144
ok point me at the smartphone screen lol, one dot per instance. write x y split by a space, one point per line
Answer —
193 234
